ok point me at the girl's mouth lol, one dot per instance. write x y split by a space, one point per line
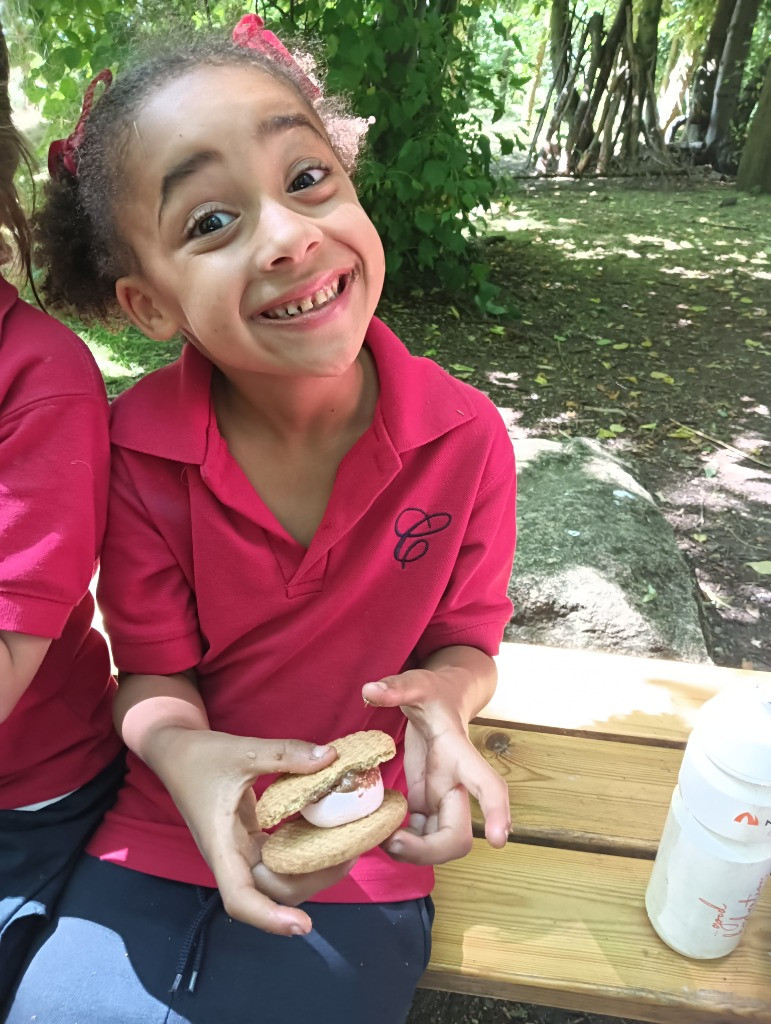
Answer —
317 300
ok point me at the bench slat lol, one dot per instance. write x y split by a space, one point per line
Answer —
584 793
570 930
610 694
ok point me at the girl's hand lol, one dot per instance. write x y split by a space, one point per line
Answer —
210 776
442 766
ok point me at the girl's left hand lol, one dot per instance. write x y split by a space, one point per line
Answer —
442 767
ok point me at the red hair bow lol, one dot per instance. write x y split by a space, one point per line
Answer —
251 33
63 153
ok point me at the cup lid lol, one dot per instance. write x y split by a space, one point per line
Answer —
735 730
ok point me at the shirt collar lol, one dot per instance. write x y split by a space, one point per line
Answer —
8 298
168 412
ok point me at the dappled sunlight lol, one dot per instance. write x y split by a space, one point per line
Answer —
666 243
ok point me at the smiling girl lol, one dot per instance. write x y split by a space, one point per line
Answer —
302 515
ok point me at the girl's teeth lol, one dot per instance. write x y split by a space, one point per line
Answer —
319 298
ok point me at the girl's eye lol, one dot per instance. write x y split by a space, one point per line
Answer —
210 222
307 178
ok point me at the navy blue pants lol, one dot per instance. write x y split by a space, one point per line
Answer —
38 850
129 948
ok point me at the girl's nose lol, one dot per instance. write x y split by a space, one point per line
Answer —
285 235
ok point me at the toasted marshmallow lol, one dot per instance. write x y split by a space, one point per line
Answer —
356 795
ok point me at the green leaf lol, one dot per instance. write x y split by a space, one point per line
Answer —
464 372
435 172
684 432
763 568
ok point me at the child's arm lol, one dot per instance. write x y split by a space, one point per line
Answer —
209 775
441 763
21 656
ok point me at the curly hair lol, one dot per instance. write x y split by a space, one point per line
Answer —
13 151
78 243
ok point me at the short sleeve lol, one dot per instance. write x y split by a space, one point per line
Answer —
147 603
54 468
475 607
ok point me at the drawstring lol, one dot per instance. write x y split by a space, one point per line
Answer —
195 940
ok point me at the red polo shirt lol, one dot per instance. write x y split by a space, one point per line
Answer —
54 466
413 554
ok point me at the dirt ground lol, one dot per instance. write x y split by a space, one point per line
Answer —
642 317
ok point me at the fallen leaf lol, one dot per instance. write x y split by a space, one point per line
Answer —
685 432
462 371
700 537
763 568
713 597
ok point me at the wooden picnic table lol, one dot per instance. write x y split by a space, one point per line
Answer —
590 745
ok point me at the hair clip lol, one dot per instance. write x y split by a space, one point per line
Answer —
251 33
63 153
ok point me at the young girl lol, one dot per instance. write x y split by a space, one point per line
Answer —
310 533
57 742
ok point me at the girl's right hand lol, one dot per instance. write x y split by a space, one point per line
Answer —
210 776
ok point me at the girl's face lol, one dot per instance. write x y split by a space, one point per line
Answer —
248 233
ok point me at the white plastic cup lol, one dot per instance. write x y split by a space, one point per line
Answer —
715 853
703 886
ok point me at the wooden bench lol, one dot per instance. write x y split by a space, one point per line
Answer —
590 745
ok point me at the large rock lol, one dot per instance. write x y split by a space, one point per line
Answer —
597 564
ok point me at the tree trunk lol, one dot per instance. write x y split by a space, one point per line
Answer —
729 82
755 166
559 41
536 83
585 133
706 74
646 45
